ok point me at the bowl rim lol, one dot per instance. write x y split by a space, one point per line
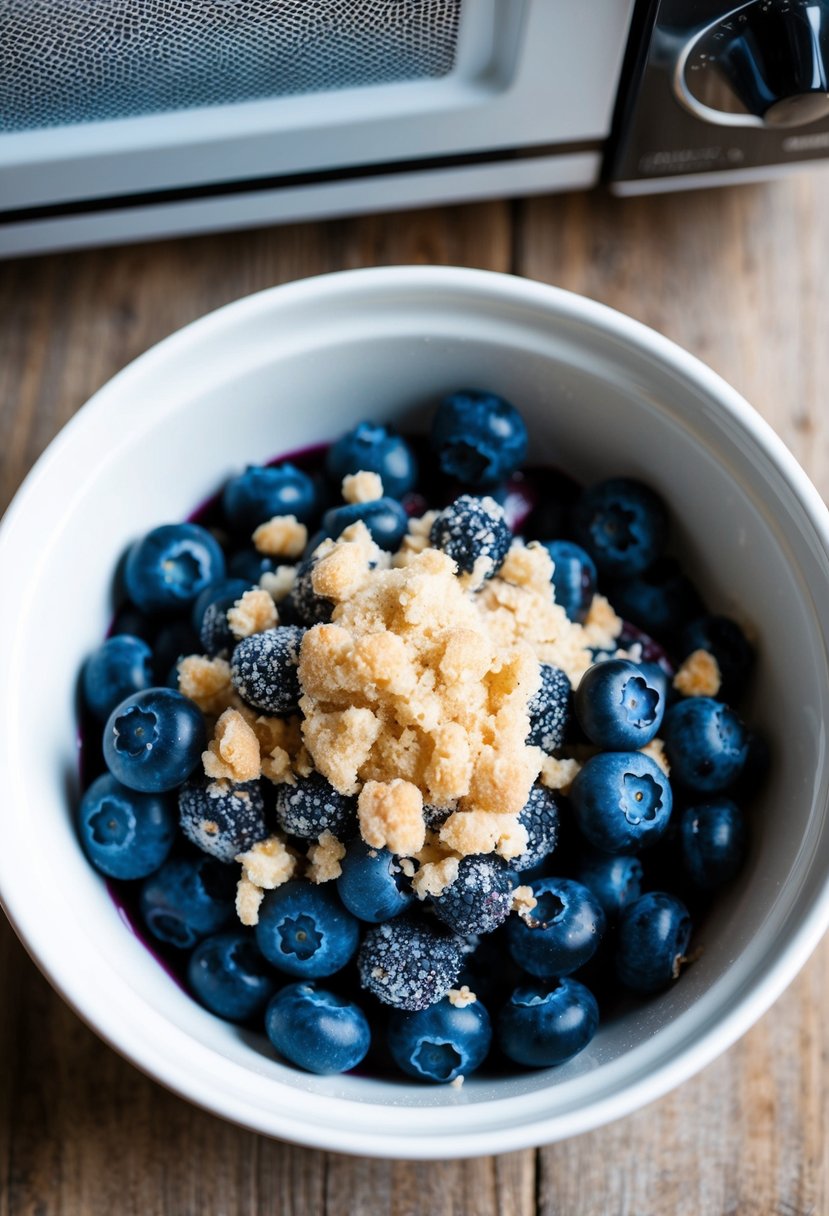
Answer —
701 1047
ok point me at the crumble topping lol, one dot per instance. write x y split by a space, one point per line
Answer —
461 997
699 675
279 582
434 877
656 750
281 536
416 538
233 752
207 682
324 858
484 832
559 774
523 901
458 1082
248 901
362 487
391 816
602 626
268 863
253 613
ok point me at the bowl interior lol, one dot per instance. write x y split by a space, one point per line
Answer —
293 368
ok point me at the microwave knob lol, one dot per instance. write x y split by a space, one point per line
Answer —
764 64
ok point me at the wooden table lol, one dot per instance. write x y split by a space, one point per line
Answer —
741 278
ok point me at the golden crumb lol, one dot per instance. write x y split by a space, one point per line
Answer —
559 774
699 675
656 750
602 626
282 536
391 816
461 997
207 682
233 752
434 877
248 901
523 901
416 539
362 487
529 566
407 866
458 1082
484 832
324 858
268 863
253 613
279 582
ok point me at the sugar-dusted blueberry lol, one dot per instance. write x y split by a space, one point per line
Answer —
623 524
304 930
561 933
221 818
546 1024
312 806
706 744
255 496
263 669
153 740
409 964
652 939
479 898
171 565
616 706
249 565
540 817
385 519
661 600
712 842
187 899
621 801
317 1030
210 614
371 884
726 641
125 834
478 437
574 577
374 448
302 605
550 709
229 976
442 1042
120 666
615 880
473 529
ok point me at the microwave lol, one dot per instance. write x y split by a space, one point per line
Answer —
136 119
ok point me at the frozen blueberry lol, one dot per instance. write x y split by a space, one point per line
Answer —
540 817
229 976
375 448
371 884
661 600
304 930
120 666
312 806
712 841
435 816
546 1024
210 614
408 964
616 706
249 565
479 898
125 834
317 1030
622 524
574 577
302 605
478 437
220 818
442 1042
725 640
550 710
255 496
652 939
187 899
706 744
171 566
385 519
614 880
561 933
621 801
470 529
154 739
264 672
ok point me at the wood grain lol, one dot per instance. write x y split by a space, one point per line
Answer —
738 278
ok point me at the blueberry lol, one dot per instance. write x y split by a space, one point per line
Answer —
153 740
551 517
435 816
616 707
408 964
621 801
652 938
384 517
478 437
706 744
220 818
249 565
471 529
229 976
713 842
657 677
540 817
304 930
125 834
374 448
171 566
371 885
442 1042
255 496
546 1024
302 605
210 614
187 899
312 806
622 524
574 577
661 600
129 619
725 640
614 880
264 669
479 898
550 710
120 666
174 641
561 932
317 1030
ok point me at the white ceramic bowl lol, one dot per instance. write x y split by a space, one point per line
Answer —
295 366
